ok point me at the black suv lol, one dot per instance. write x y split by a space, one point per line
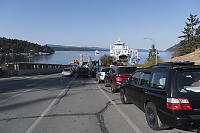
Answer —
168 93
82 72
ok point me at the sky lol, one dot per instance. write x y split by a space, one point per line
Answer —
97 23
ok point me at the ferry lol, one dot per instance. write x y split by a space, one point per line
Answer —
123 53
96 52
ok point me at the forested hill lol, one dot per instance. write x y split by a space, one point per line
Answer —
21 46
173 48
74 48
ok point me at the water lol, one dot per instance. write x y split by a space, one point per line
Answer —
65 57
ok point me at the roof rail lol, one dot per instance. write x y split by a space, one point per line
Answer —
172 64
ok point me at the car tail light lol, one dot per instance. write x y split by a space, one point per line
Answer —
178 104
118 75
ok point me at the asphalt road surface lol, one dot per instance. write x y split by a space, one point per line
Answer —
52 104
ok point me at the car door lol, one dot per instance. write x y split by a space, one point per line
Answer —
143 88
157 90
133 84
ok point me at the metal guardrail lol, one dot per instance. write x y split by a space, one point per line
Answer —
33 68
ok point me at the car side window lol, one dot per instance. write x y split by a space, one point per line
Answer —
135 79
158 80
145 79
113 71
110 72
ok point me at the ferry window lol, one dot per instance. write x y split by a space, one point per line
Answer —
145 79
158 80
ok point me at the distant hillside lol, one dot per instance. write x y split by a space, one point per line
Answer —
73 48
173 48
142 50
146 50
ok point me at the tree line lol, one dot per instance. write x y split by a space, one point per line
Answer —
20 46
191 36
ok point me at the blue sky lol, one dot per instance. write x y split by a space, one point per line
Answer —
96 22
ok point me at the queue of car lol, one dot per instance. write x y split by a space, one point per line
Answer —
168 93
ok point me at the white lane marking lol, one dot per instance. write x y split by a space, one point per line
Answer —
5 100
134 127
36 122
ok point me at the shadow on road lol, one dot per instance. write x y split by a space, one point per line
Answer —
7 86
27 103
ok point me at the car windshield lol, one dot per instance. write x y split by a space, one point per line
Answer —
188 81
127 69
83 69
67 69
105 70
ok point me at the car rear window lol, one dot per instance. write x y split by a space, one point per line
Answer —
188 81
127 69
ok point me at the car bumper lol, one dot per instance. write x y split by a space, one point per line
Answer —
184 122
67 74
101 78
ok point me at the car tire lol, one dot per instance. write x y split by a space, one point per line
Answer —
99 81
152 117
113 88
123 97
105 84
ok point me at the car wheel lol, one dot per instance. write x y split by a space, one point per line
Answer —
105 84
99 81
113 88
123 97
152 117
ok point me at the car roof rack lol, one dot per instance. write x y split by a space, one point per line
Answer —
174 65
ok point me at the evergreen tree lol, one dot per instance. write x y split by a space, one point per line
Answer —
190 29
191 36
152 52
151 60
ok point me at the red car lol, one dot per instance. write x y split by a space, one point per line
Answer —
116 75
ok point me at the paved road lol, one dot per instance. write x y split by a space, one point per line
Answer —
52 104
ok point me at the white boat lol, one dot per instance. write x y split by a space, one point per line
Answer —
124 54
96 52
